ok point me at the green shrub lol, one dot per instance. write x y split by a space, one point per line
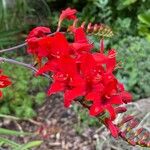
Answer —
83 120
26 92
134 53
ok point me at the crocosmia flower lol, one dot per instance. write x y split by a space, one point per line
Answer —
78 72
68 14
32 41
4 82
38 32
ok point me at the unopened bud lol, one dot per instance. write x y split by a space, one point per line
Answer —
83 24
133 124
138 131
120 110
89 27
95 28
125 119
132 142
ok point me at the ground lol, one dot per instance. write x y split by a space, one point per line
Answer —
59 132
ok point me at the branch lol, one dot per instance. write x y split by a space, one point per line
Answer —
29 66
24 119
13 48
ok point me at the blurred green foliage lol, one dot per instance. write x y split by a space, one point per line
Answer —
84 120
134 53
26 92
17 17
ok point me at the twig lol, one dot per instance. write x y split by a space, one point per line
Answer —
143 120
2 59
13 48
16 119
34 122
20 129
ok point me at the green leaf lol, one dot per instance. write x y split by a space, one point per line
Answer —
13 132
29 145
125 3
145 17
40 97
128 2
9 142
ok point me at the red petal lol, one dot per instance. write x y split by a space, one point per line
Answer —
68 66
44 46
94 96
80 36
49 66
70 95
126 97
116 99
59 45
96 109
56 87
68 14
111 62
38 32
87 64
4 81
1 94
32 46
111 111
80 47
100 58
77 81
120 86
113 129
110 88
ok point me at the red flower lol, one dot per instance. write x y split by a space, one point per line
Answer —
49 47
55 46
68 14
33 37
109 60
4 81
105 98
32 46
38 32
102 88
109 95
81 43
59 46
68 80
77 72
79 35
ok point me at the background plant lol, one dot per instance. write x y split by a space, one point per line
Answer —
23 102
6 143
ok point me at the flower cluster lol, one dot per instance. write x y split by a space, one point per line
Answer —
4 82
79 72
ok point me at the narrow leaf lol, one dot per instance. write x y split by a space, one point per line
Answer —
29 145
